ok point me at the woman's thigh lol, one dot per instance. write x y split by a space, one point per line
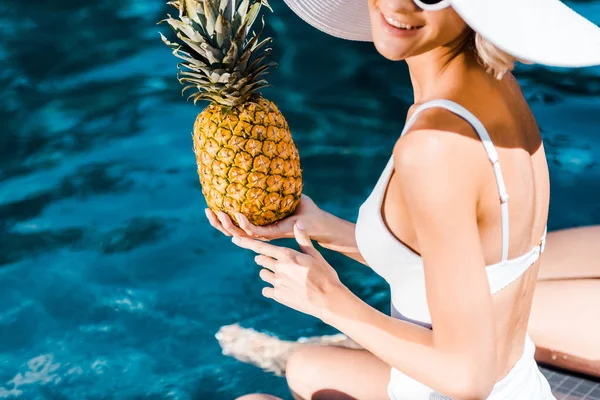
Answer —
564 324
571 253
328 373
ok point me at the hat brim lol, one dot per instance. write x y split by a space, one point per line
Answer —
540 31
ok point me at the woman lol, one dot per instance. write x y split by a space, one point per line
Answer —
461 262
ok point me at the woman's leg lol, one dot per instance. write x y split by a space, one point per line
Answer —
571 254
565 316
564 324
334 373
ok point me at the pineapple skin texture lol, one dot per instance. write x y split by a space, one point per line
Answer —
247 161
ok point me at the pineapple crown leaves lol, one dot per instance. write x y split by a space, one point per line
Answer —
221 61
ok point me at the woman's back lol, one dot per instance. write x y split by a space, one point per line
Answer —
517 138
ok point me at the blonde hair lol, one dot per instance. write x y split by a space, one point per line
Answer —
496 61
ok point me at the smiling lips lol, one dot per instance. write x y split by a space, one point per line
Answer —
401 25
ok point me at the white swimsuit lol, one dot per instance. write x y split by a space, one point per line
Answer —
403 270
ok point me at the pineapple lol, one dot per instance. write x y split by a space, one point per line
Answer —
247 161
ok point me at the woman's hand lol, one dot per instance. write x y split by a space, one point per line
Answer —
331 232
311 215
300 280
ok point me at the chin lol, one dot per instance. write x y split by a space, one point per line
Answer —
392 51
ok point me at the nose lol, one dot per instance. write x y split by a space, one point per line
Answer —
398 6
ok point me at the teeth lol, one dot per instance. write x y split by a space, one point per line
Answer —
399 24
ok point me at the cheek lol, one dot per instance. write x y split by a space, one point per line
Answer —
448 25
391 47
441 28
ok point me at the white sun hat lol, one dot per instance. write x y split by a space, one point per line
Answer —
540 31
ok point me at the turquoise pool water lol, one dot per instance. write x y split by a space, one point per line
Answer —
112 282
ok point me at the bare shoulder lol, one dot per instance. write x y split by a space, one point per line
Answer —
440 146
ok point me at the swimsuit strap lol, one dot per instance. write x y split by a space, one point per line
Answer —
490 150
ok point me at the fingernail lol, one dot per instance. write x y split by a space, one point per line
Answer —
206 212
235 240
238 217
221 216
300 225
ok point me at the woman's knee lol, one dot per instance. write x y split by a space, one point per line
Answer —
258 396
298 371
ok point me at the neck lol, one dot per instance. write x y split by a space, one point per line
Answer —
440 69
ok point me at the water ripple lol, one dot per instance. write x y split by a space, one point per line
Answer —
113 283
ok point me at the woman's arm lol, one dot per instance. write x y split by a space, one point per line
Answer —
458 357
338 235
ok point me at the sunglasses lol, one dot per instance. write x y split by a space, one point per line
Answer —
432 5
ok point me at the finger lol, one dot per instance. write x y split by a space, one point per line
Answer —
267 276
304 241
229 226
279 253
268 292
214 222
266 262
259 232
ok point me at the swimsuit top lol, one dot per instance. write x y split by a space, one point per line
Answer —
400 266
